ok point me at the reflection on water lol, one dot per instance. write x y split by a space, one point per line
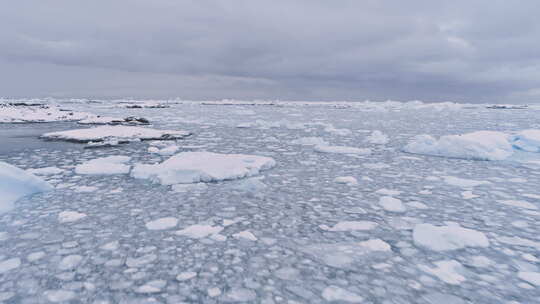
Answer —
19 137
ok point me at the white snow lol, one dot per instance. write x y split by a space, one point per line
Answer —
194 167
392 204
335 293
70 216
530 277
125 133
448 271
9 264
104 166
463 182
349 180
519 204
45 171
378 138
199 231
16 183
342 150
442 238
162 223
350 226
480 145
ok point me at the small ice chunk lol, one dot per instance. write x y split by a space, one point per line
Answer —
530 277
35 256
527 140
213 292
442 238
45 171
349 180
519 204
378 138
335 293
154 286
199 231
59 295
70 262
184 276
310 141
246 235
417 205
70 216
342 150
463 183
391 204
162 223
448 271
388 192
237 294
9 264
350 226
140 261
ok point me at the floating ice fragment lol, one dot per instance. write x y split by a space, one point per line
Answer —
70 216
104 166
442 238
162 223
335 293
350 226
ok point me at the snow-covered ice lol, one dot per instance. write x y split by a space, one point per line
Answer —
392 204
335 293
194 167
199 231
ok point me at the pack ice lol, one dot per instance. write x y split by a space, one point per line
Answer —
16 183
194 167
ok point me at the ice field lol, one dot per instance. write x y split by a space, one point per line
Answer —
269 202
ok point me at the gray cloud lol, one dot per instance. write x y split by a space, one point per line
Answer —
481 51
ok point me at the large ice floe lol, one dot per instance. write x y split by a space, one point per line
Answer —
479 145
122 133
16 183
194 167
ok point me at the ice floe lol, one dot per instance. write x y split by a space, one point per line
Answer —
16 183
109 165
392 204
45 171
194 167
349 180
335 293
342 150
350 226
199 231
442 238
448 271
18 113
122 133
378 138
70 216
479 145
341 255
162 223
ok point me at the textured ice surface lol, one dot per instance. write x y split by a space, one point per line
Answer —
441 238
308 239
104 166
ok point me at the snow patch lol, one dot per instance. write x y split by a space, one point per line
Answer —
442 238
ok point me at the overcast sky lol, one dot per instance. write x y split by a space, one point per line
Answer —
467 51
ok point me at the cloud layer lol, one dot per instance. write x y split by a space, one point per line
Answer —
480 51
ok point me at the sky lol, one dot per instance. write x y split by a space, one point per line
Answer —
464 51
